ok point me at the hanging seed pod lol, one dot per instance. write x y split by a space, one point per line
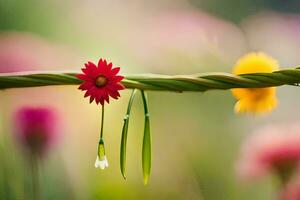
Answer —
124 136
146 150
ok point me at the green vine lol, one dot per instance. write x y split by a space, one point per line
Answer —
176 83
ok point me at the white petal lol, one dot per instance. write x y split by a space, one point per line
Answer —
97 162
102 164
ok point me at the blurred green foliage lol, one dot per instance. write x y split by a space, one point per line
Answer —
237 10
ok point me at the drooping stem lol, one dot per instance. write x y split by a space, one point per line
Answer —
101 149
130 102
145 103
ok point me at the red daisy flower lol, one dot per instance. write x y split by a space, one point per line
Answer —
101 81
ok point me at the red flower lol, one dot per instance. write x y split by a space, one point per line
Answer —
101 81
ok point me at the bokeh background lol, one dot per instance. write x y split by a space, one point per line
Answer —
196 136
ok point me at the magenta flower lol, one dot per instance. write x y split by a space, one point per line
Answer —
274 149
36 129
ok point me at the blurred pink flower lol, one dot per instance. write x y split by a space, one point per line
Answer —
187 36
25 51
264 28
36 128
273 149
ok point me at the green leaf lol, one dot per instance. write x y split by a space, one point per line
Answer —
124 136
146 150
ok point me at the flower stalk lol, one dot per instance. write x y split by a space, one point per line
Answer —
101 160
102 123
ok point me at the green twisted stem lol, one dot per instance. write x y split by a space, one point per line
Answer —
176 83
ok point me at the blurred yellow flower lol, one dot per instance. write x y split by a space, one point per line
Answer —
255 100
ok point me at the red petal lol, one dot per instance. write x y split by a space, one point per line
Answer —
106 71
90 65
86 86
85 70
92 99
114 94
90 92
96 73
115 71
117 78
107 100
119 86
102 101
115 87
103 94
100 63
109 65
99 93
87 94
83 77
103 68
97 100
106 96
